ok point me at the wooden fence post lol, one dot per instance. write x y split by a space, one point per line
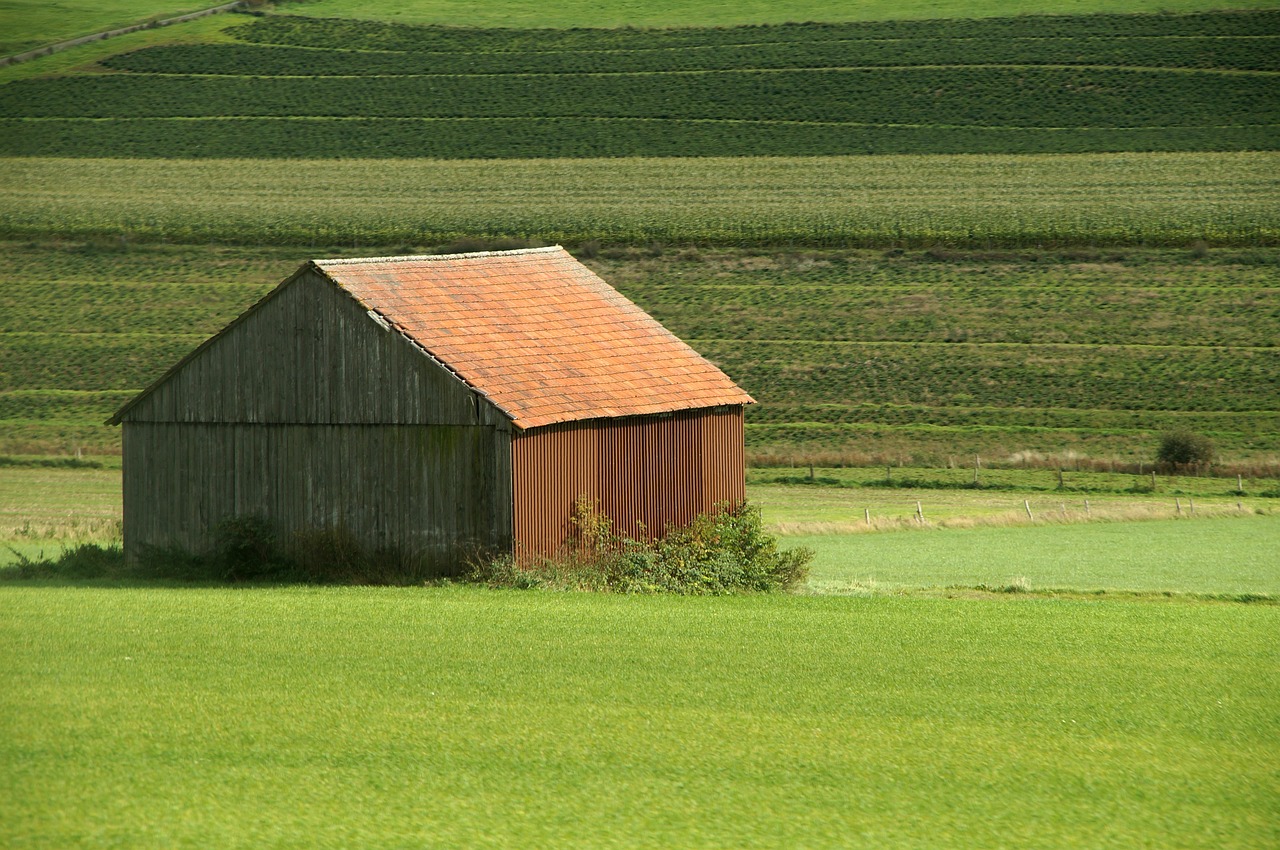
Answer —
1026 503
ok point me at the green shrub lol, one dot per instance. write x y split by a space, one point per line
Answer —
721 552
1184 448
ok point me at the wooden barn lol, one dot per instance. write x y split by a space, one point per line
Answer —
435 405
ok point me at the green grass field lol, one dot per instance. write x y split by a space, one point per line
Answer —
460 717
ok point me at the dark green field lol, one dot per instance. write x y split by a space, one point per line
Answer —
862 355
306 87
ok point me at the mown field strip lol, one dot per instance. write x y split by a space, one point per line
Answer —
1119 199
1182 555
461 717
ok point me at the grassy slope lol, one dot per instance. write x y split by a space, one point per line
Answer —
305 718
666 13
28 24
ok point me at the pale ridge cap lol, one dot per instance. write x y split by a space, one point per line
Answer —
347 261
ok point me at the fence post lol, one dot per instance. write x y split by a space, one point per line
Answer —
1177 505
1087 512
919 513
867 511
1026 503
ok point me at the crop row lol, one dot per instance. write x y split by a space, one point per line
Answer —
373 35
1262 54
1214 422
576 138
61 405
1115 199
89 361
1079 315
954 97
965 375
929 445
123 307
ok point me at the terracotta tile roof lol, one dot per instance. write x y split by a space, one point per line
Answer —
538 333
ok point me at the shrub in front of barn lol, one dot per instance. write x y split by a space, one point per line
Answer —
721 552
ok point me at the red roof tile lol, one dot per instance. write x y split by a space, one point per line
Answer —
538 333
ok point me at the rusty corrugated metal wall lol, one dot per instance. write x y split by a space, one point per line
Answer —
646 473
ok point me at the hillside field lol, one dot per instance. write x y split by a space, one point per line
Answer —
287 86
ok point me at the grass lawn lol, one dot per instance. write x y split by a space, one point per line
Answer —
666 13
462 717
27 24
1221 555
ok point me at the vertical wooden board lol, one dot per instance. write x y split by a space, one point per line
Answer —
309 354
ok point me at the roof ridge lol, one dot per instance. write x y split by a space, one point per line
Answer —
345 261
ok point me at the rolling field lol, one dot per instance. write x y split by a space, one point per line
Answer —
867 357
299 87
463 717
1042 240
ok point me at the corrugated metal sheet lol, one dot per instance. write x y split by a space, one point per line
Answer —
645 473
537 333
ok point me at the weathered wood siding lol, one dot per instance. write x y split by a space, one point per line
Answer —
438 493
308 412
312 354
646 473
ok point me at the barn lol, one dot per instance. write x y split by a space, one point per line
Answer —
433 405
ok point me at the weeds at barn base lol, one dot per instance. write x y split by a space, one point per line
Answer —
722 552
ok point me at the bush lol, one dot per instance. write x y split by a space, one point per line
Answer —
725 551
1184 448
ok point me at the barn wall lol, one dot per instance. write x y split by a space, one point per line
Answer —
645 473
311 353
436 492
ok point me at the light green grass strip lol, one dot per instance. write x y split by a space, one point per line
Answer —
1220 555
28 24
961 199
668 13
464 718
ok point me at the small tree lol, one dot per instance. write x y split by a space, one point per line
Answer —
1184 448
